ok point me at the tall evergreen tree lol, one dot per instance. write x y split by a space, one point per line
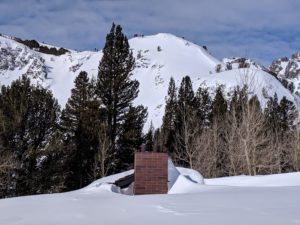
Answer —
238 102
280 121
185 117
219 115
79 122
219 106
288 114
168 125
115 87
203 104
149 138
131 137
272 116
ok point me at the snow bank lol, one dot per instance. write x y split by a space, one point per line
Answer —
188 200
173 174
275 180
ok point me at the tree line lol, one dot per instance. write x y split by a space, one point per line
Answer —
229 135
44 149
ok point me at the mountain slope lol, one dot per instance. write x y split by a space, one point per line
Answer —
158 57
288 71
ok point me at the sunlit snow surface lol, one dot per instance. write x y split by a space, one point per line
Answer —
272 199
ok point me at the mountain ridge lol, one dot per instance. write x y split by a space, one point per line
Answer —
158 58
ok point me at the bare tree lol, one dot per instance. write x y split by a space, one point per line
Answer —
185 150
295 150
233 143
7 164
104 156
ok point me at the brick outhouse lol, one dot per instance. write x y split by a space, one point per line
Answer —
150 173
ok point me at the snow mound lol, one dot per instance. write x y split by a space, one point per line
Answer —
187 181
274 180
173 174
193 175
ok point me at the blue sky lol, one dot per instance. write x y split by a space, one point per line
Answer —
259 29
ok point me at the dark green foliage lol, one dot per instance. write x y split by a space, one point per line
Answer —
219 106
219 115
30 116
203 105
287 114
280 119
185 116
238 102
80 120
114 86
131 136
272 116
149 138
168 125
186 100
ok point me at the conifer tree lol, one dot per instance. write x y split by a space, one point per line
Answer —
238 102
219 106
288 114
185 115
115 87
203 104
272 116
79 122
149 138
168 125
219 115
280 119
30 116
131 137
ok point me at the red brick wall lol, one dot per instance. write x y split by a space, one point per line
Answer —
150 173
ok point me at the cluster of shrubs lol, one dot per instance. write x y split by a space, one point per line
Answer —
33 44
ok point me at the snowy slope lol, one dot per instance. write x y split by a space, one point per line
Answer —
288 69
158 57
258 82
177 58
236 203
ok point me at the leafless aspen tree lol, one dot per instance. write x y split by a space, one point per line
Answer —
103 157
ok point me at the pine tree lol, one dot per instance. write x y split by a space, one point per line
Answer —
272 116
238 102
131 137
280 119
219 106
149 138
30 117
203 106
288 114
79 122
219 115
185 118
168 125
115 87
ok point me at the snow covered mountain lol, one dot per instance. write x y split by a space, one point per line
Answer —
288 71
158 57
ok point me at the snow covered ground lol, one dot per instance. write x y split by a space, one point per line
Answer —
272 199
